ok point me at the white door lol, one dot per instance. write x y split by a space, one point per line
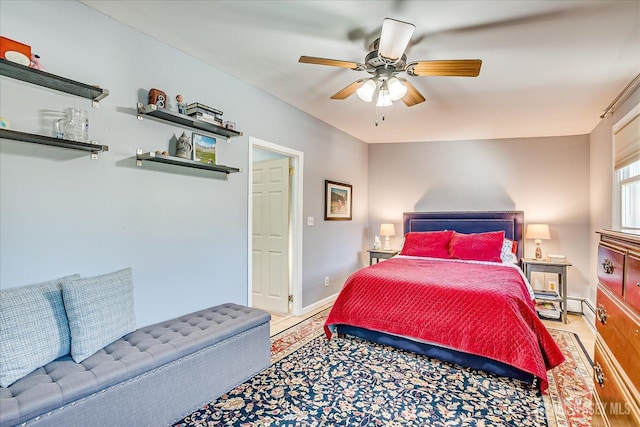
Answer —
270 235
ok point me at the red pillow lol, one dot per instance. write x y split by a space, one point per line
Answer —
433 244
478 246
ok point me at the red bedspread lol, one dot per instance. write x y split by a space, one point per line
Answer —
480 309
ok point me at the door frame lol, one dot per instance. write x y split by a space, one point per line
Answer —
295 212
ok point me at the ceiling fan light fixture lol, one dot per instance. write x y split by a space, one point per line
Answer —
366 91
397 90
394 39
384 99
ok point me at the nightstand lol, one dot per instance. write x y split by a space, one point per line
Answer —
379 254
530 265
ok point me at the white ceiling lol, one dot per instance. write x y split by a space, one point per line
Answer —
549 67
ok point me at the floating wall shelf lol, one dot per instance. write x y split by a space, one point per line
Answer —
151 110
52 81
178 161
93 148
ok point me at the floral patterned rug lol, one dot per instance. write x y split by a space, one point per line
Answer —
349 382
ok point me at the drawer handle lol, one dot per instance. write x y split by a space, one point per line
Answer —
607 266
601 313
599 375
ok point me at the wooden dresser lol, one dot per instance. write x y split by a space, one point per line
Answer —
617 353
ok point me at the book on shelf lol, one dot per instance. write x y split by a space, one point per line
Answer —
548 310
207 118
547 295
201 108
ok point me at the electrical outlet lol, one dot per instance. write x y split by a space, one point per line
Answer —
326 281
310 220
552 286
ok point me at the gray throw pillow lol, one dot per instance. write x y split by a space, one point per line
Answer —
33 328
100 311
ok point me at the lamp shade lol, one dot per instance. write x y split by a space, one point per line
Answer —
366 91
396 89
387 230
537 231
384 99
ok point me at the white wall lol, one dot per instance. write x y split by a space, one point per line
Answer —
183 231
547 178
601 181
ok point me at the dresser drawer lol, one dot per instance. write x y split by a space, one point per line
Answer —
611 268
632 282
620 330
615 402
598 418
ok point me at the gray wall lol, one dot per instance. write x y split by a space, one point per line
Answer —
547 178
183 231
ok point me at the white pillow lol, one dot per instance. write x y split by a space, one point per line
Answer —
508 252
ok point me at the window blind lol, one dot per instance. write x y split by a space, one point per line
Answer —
627 143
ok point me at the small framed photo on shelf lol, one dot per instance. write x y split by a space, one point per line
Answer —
204 148
337 201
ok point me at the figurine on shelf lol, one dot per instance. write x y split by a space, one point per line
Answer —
182 106
35 62
183 147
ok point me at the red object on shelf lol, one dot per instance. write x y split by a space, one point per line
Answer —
14 51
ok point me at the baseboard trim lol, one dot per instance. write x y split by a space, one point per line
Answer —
589 314
319 304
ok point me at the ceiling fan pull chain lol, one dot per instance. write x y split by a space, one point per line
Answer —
382 117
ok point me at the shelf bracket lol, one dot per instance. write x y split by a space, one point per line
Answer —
95 104
138 152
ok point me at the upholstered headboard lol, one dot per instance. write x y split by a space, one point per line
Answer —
511 222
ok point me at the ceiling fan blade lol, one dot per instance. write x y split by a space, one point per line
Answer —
412 97
330 62
349 90
394 38
454 67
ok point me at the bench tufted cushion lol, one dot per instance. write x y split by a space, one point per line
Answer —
63 381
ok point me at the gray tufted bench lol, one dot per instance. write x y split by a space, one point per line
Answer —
150 377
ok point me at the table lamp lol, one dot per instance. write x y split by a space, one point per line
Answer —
387 230
539 232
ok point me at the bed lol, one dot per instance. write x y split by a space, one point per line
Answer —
448 295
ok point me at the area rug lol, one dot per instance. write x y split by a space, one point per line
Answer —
351 382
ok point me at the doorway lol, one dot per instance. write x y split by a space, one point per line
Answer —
275 227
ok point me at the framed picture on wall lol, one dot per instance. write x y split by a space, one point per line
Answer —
204 148
337 201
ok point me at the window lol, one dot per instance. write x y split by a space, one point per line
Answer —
628 185
626 141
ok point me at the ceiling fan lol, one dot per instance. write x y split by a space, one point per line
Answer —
387 60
